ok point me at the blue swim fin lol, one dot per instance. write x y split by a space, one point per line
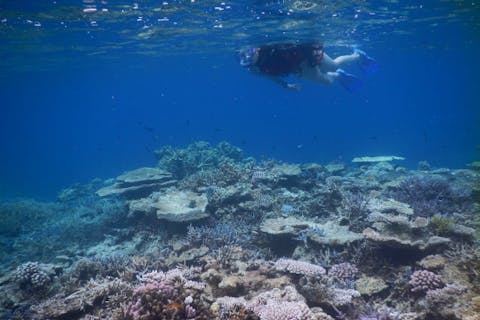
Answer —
349 81
366 63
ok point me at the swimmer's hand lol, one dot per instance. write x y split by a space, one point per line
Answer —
293 86
285 84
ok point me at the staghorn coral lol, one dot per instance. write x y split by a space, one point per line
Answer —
432 194
219 235
354 208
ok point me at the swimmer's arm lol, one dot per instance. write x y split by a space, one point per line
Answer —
278 80
285 84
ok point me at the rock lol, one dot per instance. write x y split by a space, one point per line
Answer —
179 245
389 206
419 223
138 183
385 222
85 298
376 159
142 176
335 235
187 256
475 165
320 314
63 259
285 226
397 231
181 206
432 262
335 168
368 286
462 231
287 170
476 303
229 285
174 205
329 233
404 241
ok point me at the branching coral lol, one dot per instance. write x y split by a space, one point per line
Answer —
431 194
166 295
197 156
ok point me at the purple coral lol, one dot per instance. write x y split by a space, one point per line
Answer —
299 267
276 310
31 275
343 271
374 314
431 194
164 294
446 295
424 280
285 304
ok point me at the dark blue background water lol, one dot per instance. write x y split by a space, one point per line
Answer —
98 118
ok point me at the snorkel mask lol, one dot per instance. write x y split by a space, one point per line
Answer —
248 57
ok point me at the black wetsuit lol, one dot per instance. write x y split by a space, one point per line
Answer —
283 59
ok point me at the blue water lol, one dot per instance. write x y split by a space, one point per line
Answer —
69 115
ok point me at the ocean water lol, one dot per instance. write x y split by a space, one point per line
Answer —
90 94
145 174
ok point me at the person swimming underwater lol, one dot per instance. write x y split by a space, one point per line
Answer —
305 60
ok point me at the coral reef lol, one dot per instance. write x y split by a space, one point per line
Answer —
138 183
172 205
197 156
170 295
432 194
211 235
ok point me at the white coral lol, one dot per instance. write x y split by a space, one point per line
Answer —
299 267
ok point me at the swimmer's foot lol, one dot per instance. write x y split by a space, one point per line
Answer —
366 63
349 81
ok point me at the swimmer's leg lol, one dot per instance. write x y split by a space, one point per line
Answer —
316 74
347 80
365 62
329 64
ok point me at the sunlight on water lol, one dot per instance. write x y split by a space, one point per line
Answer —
101 27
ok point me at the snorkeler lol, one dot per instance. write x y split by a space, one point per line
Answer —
305 60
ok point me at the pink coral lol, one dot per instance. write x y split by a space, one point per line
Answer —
424 280
277 310
164 295
343 271
446 295
277 304
299 267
